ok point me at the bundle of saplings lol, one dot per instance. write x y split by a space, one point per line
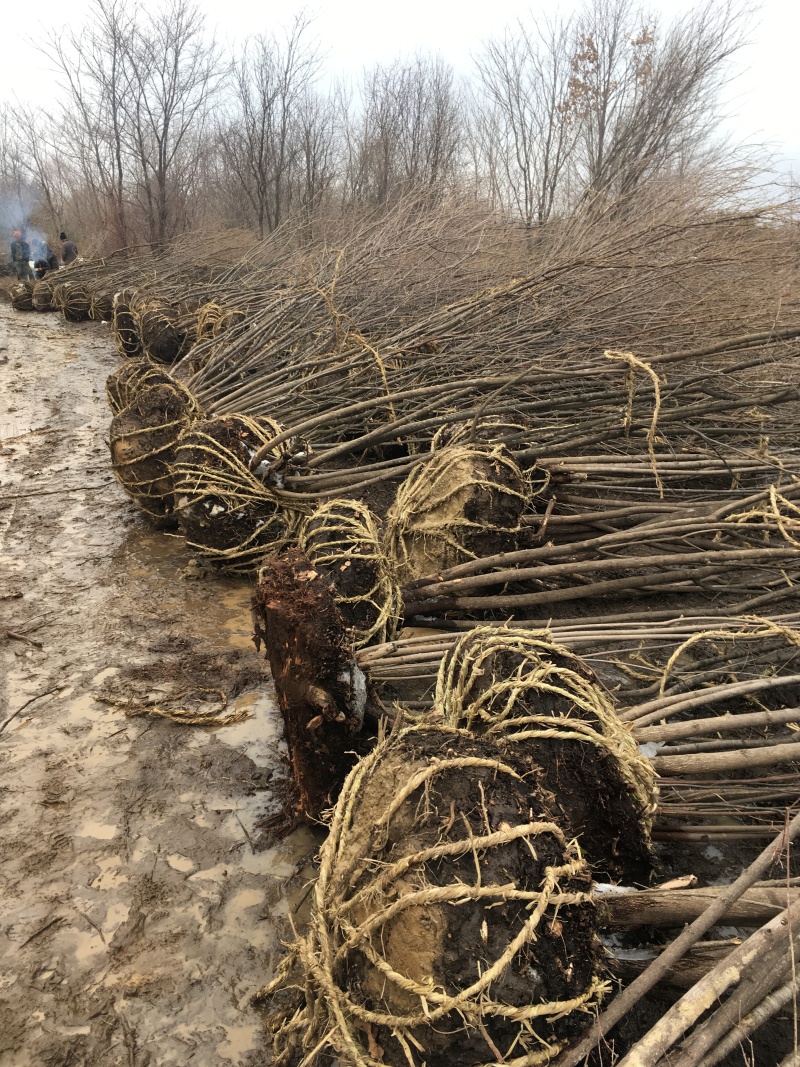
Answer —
535 698
22 296
44 293
467 501
229 513
342 540
452 918
143 435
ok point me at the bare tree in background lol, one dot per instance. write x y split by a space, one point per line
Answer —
38 136
94 64
587 110
173 73
559 116
407 132
524 119
647 98
316 166
262 145
18 194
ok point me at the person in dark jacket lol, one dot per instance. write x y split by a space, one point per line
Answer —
45 260
69 251
19 258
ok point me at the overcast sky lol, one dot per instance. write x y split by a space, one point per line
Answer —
763 100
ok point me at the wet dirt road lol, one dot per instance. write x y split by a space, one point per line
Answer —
139 910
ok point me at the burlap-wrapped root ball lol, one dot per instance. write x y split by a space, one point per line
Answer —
465 501
341 538
22 296
452 922
164 337
101 305
74 300
535 698
129 379
213 320
227 512
143 436
124 324
44 293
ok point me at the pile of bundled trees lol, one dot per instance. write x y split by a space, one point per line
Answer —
576 476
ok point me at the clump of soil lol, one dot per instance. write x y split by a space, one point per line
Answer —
22 296
440 910
538 700
125 326
226 511
43 295
343 542
320 690
465 501
162 336
142 440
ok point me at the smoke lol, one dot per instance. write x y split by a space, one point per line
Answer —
15 210
16 206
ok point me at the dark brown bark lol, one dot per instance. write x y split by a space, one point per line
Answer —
316 679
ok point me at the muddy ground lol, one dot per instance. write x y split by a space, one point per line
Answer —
140 906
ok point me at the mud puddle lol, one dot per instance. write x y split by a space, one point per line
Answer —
141 908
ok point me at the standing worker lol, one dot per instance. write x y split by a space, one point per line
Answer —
69 251
19 258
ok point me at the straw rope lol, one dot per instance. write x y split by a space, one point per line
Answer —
478 689
357 894
339 534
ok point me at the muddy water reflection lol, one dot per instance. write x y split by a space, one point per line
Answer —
135 882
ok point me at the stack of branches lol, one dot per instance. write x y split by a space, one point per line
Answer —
400 915
624 279
686 444
741 553
734 987
282 294
353 350
720 726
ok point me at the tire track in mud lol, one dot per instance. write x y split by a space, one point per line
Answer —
139 909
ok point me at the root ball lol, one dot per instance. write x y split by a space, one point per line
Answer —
466 501
530 695
342 540
227 512
43 295
22 296
162 336
126 330
321 692
143 436
452 919
74 300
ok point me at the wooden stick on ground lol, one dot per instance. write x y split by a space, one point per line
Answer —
623 1003
676 907
755 969
739 1031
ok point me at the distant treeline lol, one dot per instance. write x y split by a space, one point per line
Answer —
152 129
